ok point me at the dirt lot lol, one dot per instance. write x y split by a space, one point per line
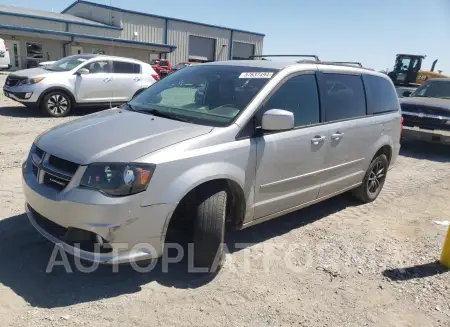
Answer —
334 264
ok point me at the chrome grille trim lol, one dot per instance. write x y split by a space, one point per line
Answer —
48 174
418 114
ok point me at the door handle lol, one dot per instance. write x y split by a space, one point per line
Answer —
336 136
318 139
107 80
137 79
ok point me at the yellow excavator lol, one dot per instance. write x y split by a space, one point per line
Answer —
407 71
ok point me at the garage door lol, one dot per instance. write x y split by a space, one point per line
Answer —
201 48
243 50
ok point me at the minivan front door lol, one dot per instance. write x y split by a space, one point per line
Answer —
94 87
287 166
288 161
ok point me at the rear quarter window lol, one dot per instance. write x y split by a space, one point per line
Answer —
381 95
122 67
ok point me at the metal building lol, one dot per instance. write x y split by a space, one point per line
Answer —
34 36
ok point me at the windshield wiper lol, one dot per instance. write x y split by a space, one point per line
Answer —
158 113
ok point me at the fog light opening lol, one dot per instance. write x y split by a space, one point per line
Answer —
28 95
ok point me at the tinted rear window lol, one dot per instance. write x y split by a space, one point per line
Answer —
344 97
121 67
381 95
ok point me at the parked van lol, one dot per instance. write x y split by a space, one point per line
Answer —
215 146
5 62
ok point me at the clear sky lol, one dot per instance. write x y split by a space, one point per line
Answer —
369 31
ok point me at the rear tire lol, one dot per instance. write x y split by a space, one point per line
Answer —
209 230
373 181
56 104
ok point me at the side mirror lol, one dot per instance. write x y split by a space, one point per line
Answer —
406 93
83 71
277 120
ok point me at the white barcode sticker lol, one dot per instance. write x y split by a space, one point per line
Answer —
256 75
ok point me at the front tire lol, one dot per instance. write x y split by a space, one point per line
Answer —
373 181
209 230
56 104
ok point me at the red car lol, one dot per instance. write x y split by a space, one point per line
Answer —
161 65
182 65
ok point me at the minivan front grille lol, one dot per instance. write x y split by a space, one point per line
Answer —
35 170
39 152
50 170
63 165
56 182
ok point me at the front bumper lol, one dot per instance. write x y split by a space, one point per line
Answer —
26 94
123 224
417 133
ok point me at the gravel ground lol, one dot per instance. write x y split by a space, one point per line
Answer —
334 264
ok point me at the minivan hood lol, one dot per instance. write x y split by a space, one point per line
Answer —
33 72
115 135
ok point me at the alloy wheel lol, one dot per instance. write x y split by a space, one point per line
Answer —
57 104
376 177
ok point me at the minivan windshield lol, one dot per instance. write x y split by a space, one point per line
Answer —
210 95
68 63
433 89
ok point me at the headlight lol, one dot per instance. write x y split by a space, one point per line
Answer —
30 81
118 179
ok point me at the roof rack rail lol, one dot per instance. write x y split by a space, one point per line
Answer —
316 58
346 63
336 63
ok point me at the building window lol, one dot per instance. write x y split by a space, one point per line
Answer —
98 51
34 50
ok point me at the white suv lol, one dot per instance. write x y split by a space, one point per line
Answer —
80 80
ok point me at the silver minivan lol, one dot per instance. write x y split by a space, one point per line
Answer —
215 146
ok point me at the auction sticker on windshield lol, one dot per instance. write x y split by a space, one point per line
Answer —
256 75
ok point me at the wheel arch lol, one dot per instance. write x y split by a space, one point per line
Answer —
385 145
385 149
57 88
236 202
